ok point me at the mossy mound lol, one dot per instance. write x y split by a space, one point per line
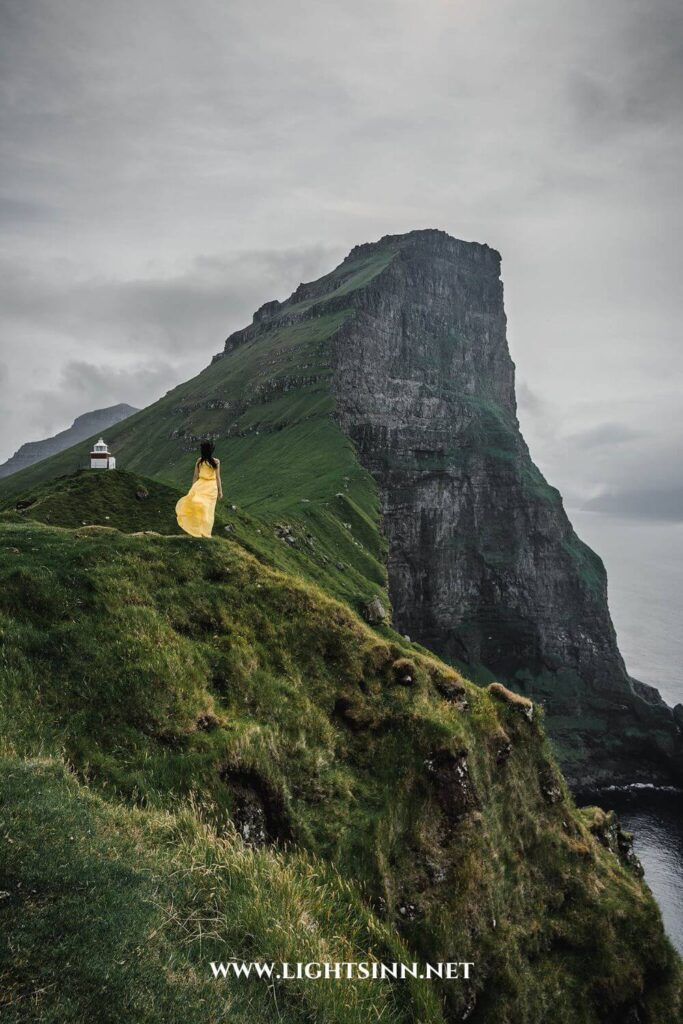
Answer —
91 497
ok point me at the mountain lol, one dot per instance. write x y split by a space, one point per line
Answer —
371 417
83 427
225 749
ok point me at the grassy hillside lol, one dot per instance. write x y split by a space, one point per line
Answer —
204 757
285 463
165 895
275 382
333 543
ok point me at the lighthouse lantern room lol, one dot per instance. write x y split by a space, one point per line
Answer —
100 458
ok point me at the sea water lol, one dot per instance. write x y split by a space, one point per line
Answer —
644 562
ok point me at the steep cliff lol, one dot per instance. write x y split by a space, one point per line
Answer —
81 428
369 440
484 566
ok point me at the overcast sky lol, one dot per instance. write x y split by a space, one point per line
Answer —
168 166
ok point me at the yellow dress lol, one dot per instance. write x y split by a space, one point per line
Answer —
196 510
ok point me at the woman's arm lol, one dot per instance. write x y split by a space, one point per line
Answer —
218 478
195 476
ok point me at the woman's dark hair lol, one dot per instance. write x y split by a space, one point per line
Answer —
206 453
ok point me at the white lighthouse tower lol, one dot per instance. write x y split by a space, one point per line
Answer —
100 457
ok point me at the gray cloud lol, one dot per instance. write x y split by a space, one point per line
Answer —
147 334
20 212
161 314
167 167
643 503
529 400
86 385
605 435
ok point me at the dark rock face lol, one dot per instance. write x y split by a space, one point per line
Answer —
451 776
82 427
606 828
258 812
484 565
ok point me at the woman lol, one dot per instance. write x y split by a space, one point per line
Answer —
195 511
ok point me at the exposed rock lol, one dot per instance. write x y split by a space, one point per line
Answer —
678 716
518 703
454 786
605 826
502 746
404 671
437 872
207 722
408 910
266 311
285 533
142 493
258 812
375 612
249 817
484 566
453 691
550 785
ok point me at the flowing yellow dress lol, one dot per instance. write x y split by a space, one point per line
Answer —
196 510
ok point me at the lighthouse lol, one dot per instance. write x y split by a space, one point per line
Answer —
100 457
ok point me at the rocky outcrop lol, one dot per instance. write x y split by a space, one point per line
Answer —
82 428
484 566
606 828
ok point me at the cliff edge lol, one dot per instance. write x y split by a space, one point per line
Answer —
484 565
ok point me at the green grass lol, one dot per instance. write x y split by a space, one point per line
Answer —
89 497
588 564
142 676
335 542
165 896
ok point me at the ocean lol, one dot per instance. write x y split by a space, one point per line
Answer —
644 561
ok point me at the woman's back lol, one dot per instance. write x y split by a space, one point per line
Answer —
195 511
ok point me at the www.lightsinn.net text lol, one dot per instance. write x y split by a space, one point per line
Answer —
359 969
